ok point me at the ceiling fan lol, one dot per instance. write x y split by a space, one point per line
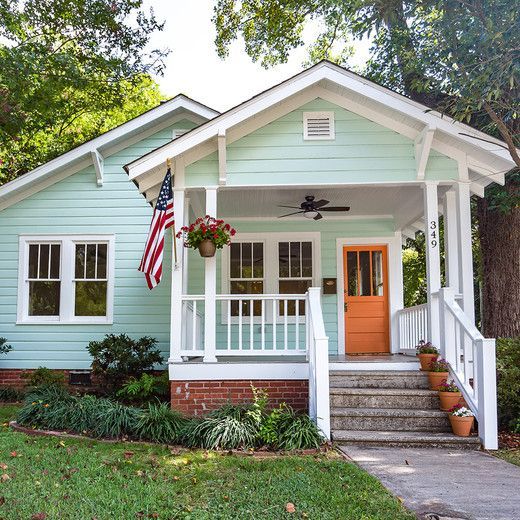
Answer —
312 209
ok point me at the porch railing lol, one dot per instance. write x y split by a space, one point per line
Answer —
412 326
473 365
247 325
318 355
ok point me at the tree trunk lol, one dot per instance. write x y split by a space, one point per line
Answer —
500 245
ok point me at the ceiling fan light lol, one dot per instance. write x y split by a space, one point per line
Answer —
310 214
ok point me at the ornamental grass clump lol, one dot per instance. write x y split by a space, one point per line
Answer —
37 407
159 423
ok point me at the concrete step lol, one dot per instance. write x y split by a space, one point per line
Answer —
384 398
389 419
378 379
404 439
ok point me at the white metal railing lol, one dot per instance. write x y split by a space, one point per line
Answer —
472 365
412 326
318 356
248 325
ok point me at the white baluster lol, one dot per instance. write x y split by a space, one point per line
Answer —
285 324
262 324
239 324
193 325
229 324
251 325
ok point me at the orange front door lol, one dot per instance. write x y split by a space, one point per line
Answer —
366 300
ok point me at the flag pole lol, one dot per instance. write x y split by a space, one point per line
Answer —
168 166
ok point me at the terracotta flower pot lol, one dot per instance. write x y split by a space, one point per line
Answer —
449 400
436 378
207 248
461 426
426 359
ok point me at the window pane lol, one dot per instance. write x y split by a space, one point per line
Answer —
80 261
258 260
377 273
102 261
55 261
44 298
295 259
91 299
352 272
247 260
306 258
91 260
364 274
234 262
293 287
44 261
283 259
246 287
33 261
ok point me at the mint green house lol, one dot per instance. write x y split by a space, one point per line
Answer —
323 176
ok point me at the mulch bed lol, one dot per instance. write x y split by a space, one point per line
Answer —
261 453
508 440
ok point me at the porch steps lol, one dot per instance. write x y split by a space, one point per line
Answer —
389 408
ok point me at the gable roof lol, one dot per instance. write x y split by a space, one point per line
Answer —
94 150
487 157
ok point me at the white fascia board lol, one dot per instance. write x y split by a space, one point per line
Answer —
122 131
477 189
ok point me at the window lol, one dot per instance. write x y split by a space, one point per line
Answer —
65 279
318 125
270 264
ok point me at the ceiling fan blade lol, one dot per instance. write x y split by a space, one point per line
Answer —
320 203
317 217
291 207
336 208
289 214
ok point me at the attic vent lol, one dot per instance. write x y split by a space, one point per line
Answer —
318 125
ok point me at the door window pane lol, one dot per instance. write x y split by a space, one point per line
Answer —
44 298
352 273
364 273
377 273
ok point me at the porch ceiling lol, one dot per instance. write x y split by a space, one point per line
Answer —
402 203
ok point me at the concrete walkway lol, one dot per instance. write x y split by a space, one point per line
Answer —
445 484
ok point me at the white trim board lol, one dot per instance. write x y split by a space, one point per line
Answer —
395 283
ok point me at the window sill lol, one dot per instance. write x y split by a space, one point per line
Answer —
79 321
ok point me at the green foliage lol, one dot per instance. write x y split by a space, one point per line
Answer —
118 357
8 394
426 348
70 70
206 228
147 387
508 382
439 365
44 376
114 420
298 432
39 403
4 346
159 423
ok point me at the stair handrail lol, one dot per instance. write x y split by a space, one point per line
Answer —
472 361
318 357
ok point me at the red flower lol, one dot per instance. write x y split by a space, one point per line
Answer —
192 227
179 234
215 235
227 227
233 232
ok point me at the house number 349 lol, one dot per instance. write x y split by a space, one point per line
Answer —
433 233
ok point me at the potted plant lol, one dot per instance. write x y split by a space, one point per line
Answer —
438 373
449 395
461 420
207 234
426 353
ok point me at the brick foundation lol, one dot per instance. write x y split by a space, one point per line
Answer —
198 397
13 377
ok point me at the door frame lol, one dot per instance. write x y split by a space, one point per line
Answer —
395 283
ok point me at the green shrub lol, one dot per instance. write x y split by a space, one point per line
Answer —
298 432
229 427
9 394
4 347
43 376
114 420
117 358
147 387
508 381
40 402
516 426
159 423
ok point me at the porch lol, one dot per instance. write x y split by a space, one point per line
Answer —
238 328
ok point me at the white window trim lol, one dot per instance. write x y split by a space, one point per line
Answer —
67 243
313 115
271 274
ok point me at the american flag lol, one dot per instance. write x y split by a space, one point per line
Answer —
151 263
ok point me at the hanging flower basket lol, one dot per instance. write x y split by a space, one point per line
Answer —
207 234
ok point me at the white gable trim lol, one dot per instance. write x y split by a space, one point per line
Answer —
83 155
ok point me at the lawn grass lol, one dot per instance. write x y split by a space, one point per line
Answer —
510 455
84 479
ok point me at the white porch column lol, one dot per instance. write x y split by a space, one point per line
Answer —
210 288
451 241
177 280
463 195
433 262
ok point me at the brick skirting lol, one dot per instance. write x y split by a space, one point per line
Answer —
13 377
198 397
